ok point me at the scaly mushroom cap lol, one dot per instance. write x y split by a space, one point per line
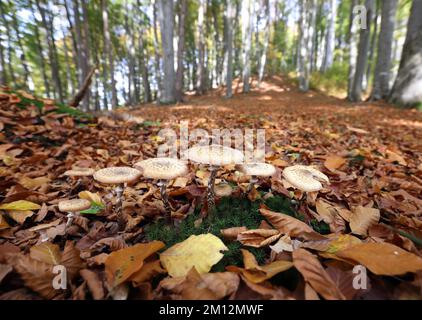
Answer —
214 155
223 190
305 178
79 172
162 168
74 205
260 169
116 175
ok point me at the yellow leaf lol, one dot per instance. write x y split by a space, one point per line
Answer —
93 197
180 182
383 258
20 205
46 252
280 163
342 242
201 252
30 183
20 215
362 218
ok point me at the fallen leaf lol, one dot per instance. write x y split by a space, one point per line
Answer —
71 260
20 215
382 258
122 264
20 205
289 225
149 270
94 283
46 252
283 244
258 238
33 183
314 274
195 286
93 197
362 218
232 233
201 252
334 162
3 223
5 269
257 274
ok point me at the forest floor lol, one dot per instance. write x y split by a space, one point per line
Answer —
369 215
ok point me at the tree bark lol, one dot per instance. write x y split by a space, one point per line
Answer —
200 78
109 52
385 47
351 40
228 29
247 43
9 47
330 38
83 89
166 16
87 52
363 51
263 58
407 87
181 50
303 45
158 79
52 51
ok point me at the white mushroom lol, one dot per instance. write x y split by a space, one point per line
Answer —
73 206
163 169
214 156
223 190
118 176
256 169
79 172
305 178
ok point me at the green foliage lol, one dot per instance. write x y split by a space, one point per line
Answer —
334 81
95 208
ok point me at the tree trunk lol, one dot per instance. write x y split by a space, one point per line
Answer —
166 16
109 52
407 88
363 51
69 81
330 38
200 78
181 50
228 30
3 73
304 47
52 51
133 94
385 46
247 43
351 40
263 57
9 47
87 53
372 47
157 52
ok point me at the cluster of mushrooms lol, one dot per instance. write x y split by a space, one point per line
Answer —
305 178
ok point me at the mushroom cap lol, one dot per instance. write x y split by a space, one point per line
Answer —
215 154
261 169
74 205
162 168
116 175
79 172
223 190
305 178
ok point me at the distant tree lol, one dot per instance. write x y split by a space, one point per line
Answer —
382 77
330 36
407 88
228 57
181 50
166 17
247 21
200 78
263 57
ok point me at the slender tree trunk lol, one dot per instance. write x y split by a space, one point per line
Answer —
133 97
363 52
247 43
181 50
352 48
166 16
41 60
331 37
87 53
372 47
407 87
200 78
304 37
52 51
228 29
69 81
263 58
9 47
75 51
157 53
3 72
385 49
109 52
26 73
314 35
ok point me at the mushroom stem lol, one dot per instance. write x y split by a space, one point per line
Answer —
164 196
251 184
70 216
210 191
119 205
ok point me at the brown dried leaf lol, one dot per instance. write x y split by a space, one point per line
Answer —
362 218
258 238
46 252
94 283
232 233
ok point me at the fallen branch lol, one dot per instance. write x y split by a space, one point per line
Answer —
83 90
